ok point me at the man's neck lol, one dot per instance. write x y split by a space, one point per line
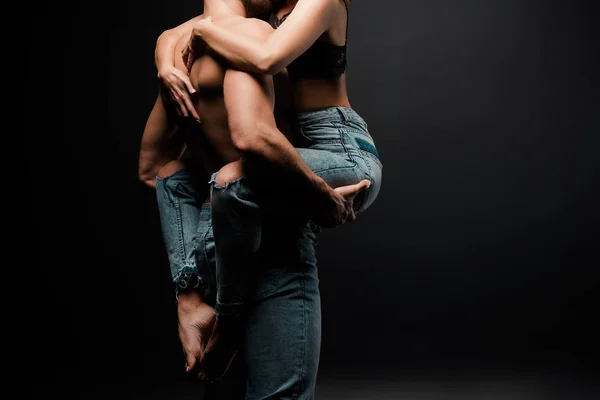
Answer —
223 8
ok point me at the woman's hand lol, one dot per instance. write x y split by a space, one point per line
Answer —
196 45
179 89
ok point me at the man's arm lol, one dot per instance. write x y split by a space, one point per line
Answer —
267 152
249 101
284 106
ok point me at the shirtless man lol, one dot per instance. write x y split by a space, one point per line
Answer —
236 110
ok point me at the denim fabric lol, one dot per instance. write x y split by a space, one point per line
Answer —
237 223
257 256
282 343
283 338
336 145
186 227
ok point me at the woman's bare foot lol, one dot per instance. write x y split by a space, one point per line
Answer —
223 345
196 320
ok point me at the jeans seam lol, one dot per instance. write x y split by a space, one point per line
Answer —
318 171
343 136
365 197
177 208
369 157
369 176
368 164
205 260
372 156
304 336
203 249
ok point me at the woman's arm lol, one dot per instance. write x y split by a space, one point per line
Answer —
164 52
176 81
306 23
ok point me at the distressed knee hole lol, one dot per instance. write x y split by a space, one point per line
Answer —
230 173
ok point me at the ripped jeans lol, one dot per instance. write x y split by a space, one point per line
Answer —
282 341
187 232
336 145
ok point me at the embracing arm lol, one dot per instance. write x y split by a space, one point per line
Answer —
175 80
164 52
269 155
249 101
307 22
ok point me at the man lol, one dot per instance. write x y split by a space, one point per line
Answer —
282 342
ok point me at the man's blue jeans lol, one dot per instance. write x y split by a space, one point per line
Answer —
282 341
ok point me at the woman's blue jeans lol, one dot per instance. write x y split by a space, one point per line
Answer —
335 143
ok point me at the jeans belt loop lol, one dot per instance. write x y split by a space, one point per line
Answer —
344 116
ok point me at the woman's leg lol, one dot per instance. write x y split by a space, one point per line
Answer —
180 193
237 223
160 143
187 232
185 217
336 144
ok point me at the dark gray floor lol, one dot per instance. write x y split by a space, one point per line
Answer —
407 388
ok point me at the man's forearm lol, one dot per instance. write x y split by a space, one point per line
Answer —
267 153
283 111
270 155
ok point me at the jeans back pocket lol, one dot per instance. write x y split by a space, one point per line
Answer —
320 133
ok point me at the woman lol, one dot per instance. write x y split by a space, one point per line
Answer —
310 42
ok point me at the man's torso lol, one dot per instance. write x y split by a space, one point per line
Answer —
207 76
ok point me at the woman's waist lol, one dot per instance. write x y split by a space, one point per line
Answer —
345 116
340 125
317 94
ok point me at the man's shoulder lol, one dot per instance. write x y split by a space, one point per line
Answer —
253 27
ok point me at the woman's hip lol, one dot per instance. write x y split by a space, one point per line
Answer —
335 144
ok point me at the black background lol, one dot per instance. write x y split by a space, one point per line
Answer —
479 259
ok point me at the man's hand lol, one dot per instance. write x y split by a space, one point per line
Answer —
179 89
195 46
340 208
